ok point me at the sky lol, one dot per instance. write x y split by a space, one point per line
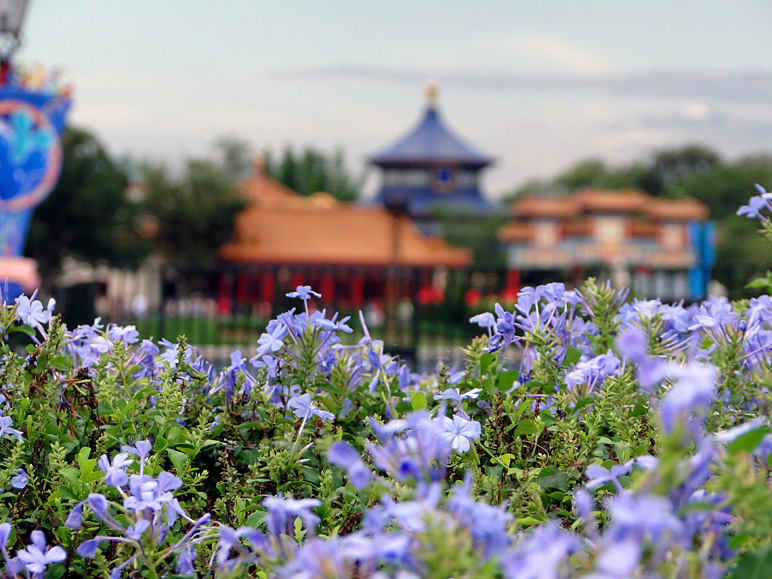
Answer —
538 85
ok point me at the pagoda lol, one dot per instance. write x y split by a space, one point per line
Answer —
432 169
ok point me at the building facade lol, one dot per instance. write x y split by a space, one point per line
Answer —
658 247
432 169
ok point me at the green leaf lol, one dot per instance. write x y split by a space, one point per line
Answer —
582 402
747 441
525 427
506 459
418 400
572 356
552 477
179 459
24 329
486 360
759 282
506 379
753 565
546 417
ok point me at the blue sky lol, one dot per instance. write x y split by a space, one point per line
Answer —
539 85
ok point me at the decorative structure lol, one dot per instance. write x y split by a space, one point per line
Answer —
431 168
32 115
347 252
659 247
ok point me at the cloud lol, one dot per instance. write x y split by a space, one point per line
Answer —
550 52
699 85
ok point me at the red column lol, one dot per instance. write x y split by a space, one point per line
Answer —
269 287
327 288
357 290
513 280
241 289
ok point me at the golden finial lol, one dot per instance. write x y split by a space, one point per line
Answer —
431 94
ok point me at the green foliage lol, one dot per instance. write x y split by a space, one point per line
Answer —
311 171
194 212
88 215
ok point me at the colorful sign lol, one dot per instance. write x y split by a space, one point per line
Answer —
30 157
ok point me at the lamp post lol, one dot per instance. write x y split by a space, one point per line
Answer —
396 205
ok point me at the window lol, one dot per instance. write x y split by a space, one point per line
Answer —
672 235
609 229
545 232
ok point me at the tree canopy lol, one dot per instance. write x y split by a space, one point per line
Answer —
311 171
88 215
193 211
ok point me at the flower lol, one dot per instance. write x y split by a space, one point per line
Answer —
303 408
754 207
6 428
459 432
484 320
271 341
283 512
342 454
304 292
31 311
115 475
38 555
20 480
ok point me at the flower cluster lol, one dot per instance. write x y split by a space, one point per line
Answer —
630 439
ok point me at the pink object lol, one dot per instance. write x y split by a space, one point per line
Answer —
22 270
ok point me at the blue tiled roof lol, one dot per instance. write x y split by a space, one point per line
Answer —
423 201
431 142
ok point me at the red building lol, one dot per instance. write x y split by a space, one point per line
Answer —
352 254
659 247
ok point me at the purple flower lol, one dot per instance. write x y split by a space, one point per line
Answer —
38 555
88 549
600 475
6 428
283 512
271 342
484 320
303 408
304 292
754 207
75 518
459 432
115 474
343 455
543 554
691 395
31 311
20 480
141 449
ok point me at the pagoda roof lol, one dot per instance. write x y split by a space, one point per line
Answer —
431 142
281 227
625 201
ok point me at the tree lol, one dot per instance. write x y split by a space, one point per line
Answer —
194 212
668 166
88 215
235 156
312 171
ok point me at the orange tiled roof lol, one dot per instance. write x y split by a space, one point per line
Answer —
516 232
554 207
599 201
283 228
624 200
677 210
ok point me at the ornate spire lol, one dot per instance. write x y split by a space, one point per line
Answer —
431 94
